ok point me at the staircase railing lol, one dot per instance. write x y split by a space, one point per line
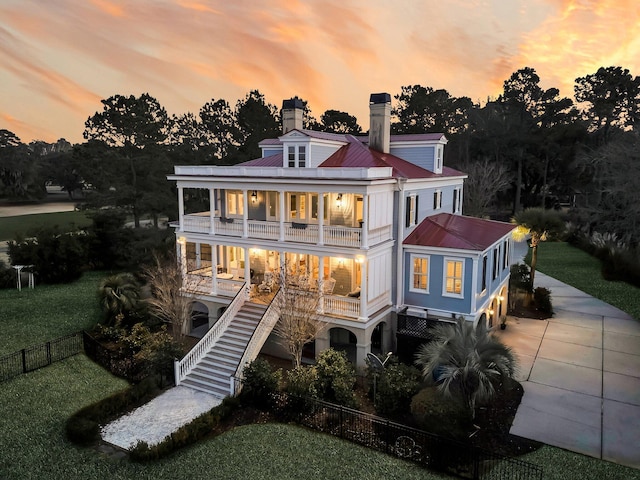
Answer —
183 367
259 336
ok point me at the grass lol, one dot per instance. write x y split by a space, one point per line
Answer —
47 312
24 224
582 271
34 409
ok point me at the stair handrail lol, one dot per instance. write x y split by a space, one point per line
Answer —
183 367
258 337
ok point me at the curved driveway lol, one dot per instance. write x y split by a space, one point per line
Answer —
581 376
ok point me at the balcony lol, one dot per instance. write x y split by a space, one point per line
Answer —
310 233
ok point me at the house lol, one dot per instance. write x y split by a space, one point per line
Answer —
373 222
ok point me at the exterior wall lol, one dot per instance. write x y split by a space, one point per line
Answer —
435 299
319 153
267 152
423 156
503 270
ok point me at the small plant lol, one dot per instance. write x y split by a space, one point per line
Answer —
503 322
542 299
336 378
395 386
260 384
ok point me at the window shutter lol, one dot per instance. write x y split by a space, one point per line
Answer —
415 218
435 200
408 212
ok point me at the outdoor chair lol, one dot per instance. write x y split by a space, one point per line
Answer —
267 283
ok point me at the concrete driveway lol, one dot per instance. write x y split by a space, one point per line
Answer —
581 375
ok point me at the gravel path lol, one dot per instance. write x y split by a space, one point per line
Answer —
159 418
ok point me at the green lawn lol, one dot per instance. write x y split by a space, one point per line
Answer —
47 312
34 408
579 269
10 226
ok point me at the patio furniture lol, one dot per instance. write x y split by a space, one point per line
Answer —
268 283
328 285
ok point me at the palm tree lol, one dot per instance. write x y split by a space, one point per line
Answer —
540 224
119 295
465 362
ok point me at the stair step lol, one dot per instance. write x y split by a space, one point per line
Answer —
231 343
222 371
208 380
217 360
215 391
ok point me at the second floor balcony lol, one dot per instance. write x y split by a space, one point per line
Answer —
336 219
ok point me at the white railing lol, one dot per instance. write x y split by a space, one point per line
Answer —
342 236
378 235
197 283
343 306
229 288
379 302
260 334
196 224
303 233
266 230
183 367
232 227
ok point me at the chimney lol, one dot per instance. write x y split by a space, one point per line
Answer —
380 121
292 110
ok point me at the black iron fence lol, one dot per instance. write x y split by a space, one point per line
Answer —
427 449
38 356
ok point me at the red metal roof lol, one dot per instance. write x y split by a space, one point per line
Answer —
445 230
274 160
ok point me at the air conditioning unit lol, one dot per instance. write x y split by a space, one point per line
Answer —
417 312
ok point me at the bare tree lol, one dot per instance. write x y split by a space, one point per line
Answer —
170 299
486 179
300 321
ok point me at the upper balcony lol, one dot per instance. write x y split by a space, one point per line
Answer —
326 218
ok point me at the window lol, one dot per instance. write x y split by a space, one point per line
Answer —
505 255
439 159
297 206
457 197
420 274
484 273
412 210
272 205
235 203
297 156
496 262
437 200
453 278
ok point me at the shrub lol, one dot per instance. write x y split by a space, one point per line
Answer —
82 431
395 386
57 257
520 277
437 414
7 276
542 299
336 378
260 384
301 385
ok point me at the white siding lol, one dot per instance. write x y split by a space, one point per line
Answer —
379 280
319 153
380 209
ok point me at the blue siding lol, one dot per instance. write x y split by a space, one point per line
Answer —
422 156
434 299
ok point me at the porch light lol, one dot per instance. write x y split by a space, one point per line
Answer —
254 196
359 259
339 200
491 312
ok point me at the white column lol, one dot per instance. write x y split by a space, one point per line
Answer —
363 290
212 211
247 266
245 214
474 285
214 269
365 222
281 196
321 218
198 258
321 283
181 208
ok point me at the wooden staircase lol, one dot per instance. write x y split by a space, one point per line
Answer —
213 372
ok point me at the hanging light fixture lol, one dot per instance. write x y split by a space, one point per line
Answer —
254 196
339 200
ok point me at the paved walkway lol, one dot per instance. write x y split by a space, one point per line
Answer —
581 375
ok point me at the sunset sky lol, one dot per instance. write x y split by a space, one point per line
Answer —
59 58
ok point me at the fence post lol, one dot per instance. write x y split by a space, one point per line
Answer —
386 437
24 360
48 347
341 419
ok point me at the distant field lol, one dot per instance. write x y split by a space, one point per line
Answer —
24 224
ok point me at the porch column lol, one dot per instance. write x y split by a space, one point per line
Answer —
321 283
214 269
321 218
282 214
474 285
363 291
181 208
212 211
245 214
198 258
364 231
247 267
182 252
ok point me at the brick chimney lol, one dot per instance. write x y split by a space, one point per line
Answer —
380 121
292 110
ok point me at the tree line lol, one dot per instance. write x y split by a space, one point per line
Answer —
528 147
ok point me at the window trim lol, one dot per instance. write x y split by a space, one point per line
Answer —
496 263
239 203
294 149
437 199
505 255
412 210
445 262
412 274
485 264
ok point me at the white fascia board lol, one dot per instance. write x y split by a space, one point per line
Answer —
442 251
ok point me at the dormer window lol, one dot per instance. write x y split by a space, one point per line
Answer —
297 156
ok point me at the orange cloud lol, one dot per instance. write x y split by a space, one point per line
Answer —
110 8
